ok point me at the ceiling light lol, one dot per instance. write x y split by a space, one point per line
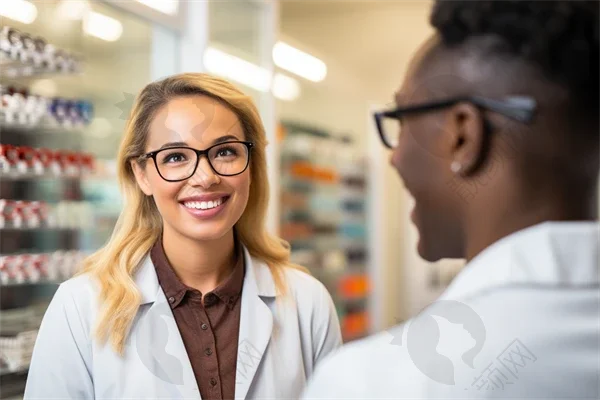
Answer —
102 26
18 10
220 63
73 10
285 87
298 62
169 7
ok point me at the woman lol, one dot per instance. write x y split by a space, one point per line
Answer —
190 297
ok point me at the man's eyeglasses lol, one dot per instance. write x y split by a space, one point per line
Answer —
176 164
519 108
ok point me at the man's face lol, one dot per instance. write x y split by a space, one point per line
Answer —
422 159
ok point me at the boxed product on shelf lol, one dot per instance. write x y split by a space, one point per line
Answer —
25 54
15 352
54 267
18 107
18 214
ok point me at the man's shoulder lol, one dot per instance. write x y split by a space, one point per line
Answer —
369 368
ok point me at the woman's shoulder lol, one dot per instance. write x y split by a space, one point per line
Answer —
299 278
81 291
305 287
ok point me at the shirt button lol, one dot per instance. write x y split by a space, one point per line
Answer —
171 300
204 327
208 352
213 381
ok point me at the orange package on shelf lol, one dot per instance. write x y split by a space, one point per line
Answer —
353 286
327 175
291 200
355 325
302 169
295 230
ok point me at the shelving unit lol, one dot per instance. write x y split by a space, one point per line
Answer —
29 250
323 217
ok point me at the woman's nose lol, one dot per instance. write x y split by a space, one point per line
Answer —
204 175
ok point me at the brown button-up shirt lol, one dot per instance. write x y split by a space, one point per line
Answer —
210 331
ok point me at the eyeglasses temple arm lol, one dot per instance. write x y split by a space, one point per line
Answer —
521 109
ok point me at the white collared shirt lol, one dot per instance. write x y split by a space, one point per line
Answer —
522 320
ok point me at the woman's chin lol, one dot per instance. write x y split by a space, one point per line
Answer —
206 231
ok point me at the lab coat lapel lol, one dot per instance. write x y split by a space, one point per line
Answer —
158 341
256 323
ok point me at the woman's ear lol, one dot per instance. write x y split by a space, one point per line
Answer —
141 178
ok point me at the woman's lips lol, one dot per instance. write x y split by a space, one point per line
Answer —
212 208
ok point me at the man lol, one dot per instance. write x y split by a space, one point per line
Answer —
499 148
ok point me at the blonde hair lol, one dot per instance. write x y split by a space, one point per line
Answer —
139 224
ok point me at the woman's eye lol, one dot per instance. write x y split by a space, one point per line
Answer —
173 158
227 152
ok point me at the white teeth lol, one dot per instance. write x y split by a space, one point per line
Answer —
203 205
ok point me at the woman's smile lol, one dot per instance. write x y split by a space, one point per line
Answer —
205 206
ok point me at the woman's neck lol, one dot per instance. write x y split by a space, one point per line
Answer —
201 265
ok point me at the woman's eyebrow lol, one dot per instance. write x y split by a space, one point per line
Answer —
225 139
174 144
222 139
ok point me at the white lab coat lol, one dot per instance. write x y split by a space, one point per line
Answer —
280 342
537 294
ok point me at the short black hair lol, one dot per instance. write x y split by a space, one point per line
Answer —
558 37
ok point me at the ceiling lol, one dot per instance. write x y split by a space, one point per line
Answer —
370 41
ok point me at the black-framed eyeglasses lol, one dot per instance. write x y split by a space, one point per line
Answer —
176 164
519 108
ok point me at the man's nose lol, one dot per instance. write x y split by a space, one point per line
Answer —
395 159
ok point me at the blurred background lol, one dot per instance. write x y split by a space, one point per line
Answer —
69 70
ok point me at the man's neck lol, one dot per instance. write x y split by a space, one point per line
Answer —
202 265
493 221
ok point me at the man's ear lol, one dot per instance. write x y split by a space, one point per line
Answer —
141 178
467 128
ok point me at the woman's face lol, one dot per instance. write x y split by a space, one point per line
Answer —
205 206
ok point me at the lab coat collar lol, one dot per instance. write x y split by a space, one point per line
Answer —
258 275
561 254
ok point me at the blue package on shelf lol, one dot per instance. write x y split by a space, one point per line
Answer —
353 231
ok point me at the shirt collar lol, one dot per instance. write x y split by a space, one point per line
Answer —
257 277
550 254
228 291
168 280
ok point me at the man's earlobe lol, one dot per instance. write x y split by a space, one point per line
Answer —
141 178
468 139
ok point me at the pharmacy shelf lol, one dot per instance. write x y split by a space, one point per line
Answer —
43 229
38 283
35 177
16 68
39 129
8 371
